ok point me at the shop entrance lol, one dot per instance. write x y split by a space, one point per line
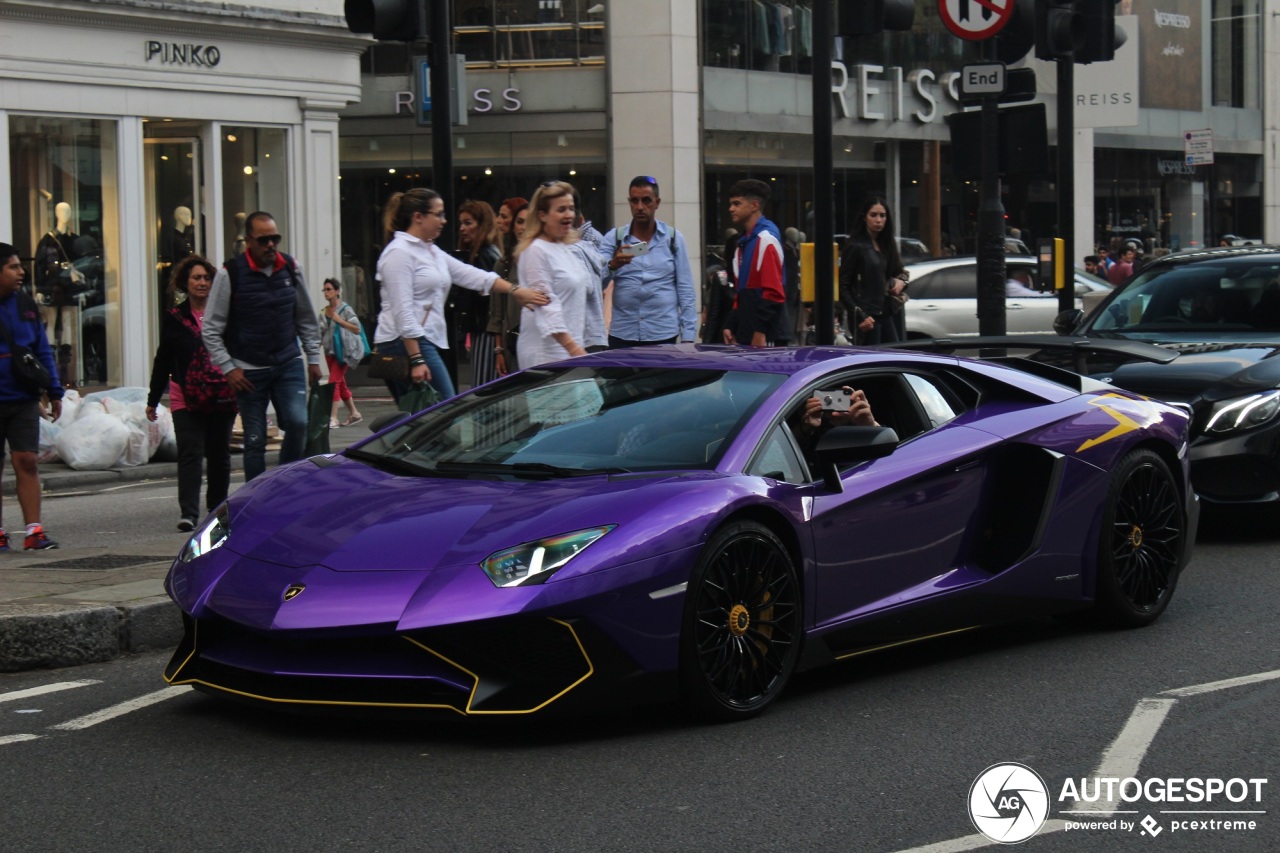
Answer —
175 219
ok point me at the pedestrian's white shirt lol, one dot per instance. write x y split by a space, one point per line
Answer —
558 270
415 277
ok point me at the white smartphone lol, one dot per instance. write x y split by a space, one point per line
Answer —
835 400
635 249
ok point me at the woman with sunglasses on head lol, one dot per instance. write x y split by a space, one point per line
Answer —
478 238
203 405
415 277
504 312
342 341
549 262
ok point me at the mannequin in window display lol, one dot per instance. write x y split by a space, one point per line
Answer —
238 245
58 283
181 238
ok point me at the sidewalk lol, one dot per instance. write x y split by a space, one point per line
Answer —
72 606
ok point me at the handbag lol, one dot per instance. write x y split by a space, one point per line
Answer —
387 366
28 371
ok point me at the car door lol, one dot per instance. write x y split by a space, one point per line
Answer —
944 302
901 524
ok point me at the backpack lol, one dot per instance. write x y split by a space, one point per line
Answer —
204 387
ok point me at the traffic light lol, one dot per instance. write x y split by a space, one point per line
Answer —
388 20
1019 35
871 17
1081 31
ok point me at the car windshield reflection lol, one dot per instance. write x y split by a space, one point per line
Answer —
576 421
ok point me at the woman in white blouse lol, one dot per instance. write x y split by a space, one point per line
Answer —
415 276
548 262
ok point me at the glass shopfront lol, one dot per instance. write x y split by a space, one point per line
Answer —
65 210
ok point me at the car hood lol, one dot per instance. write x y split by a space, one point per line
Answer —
349 517
1204 371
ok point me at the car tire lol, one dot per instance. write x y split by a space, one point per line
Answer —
742 627
1140 548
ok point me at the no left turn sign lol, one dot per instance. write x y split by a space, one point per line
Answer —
975 19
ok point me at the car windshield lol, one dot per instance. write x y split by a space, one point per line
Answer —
576 421
1208 300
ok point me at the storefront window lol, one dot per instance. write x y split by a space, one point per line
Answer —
1237 48
255 176
529 33
66 228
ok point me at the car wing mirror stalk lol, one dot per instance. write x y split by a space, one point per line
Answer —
846 445
1066 322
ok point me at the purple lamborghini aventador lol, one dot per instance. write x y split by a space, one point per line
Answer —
643 524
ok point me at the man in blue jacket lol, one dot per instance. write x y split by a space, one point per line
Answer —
20 406
258 312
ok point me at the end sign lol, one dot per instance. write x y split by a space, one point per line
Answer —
987 79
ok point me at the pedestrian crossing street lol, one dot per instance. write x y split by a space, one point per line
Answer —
30 701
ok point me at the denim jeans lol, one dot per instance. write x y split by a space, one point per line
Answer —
204 439
285 387
439 373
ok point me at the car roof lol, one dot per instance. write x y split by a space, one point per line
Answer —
789 361
1216 253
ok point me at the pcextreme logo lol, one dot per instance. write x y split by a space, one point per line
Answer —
1009 803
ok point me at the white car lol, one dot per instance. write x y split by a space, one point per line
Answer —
944 298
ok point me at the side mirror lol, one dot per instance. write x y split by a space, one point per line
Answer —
1065 323
849 444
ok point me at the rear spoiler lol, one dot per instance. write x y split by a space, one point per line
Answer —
1137 350
1078 349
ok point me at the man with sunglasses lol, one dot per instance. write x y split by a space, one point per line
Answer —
648 265
257 314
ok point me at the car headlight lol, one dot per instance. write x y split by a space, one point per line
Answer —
534 562
211 535
1243 413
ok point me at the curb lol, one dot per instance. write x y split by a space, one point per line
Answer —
38 636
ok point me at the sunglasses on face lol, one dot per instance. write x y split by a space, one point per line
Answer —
644 199
266 240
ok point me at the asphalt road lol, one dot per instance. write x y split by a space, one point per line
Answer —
877 754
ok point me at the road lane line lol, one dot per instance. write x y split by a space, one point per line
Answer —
120 710
47 688
1212 686
17 738
976 842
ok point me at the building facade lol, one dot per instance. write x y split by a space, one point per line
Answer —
135 133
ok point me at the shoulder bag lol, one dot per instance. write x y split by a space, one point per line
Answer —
28 371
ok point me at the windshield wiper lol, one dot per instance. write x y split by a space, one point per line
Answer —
390 464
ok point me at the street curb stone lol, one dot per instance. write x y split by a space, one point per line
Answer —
150 626
34 636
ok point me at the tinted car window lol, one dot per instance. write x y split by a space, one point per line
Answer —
936 406
948 283
778 459
1231 297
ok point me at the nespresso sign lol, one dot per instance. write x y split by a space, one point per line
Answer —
183 53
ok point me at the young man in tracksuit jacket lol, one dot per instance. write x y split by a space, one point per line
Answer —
757 267
19 407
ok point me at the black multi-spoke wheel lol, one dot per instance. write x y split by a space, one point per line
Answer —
1141 545
742 626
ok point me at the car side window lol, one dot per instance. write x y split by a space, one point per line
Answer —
952 283
778 460
935 404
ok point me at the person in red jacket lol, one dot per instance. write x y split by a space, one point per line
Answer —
757 268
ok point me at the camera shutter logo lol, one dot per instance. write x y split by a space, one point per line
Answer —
1008 803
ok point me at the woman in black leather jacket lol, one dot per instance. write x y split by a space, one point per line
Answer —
871 268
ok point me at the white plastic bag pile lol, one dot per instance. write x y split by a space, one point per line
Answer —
107 429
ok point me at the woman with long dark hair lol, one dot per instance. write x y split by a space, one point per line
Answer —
415 277
203 405
478 238
504 312
871 269
343 345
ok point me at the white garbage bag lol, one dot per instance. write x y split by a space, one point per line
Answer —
49 430
95 442
70 406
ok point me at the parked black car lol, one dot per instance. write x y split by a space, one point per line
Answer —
1219 310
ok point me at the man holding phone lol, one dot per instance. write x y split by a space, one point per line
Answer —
648 266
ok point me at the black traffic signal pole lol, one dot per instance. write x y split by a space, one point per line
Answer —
823 175
1067 178
441 110
991 255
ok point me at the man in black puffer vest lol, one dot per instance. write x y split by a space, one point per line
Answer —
258 312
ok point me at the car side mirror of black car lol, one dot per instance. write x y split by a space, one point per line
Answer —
845 445
381 422
1065 323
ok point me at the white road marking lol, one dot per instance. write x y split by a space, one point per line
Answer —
1121 759
121 709
47 688
1197 689
17 738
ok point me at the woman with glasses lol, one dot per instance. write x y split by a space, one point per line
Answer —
549 262
415 277
203 405
504 312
